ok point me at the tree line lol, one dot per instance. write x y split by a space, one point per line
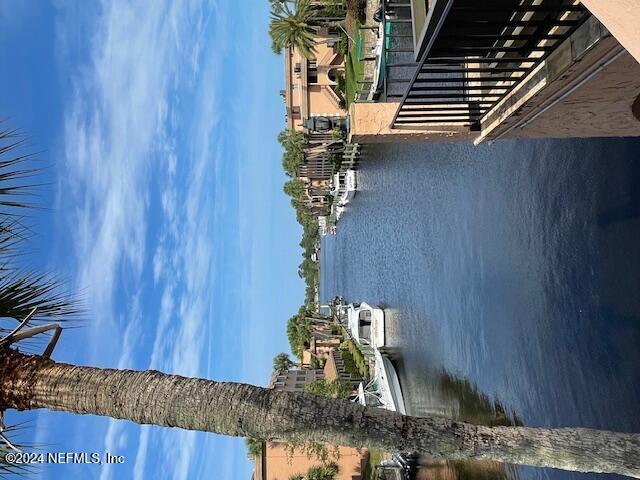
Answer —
293 144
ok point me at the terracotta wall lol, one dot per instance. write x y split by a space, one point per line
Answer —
280 465
323 101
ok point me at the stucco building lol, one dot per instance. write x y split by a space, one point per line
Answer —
621 18
277 462
310 88
313 105
295 380
321 342
335 369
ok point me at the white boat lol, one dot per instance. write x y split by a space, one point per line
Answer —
344 187
389 382
366 325
384 389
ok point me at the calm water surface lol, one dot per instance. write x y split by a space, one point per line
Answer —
511 278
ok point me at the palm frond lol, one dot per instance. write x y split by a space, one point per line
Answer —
26 297
16 174
13 232
11 469
293 28
21 292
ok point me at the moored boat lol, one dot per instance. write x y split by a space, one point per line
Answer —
383 390
344 187
366 324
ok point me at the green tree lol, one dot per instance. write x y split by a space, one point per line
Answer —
282 362
294 144
295 188
298 333
291 27
334 389
32 300
319 472
254 447
331 13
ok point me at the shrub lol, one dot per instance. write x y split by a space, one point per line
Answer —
254 447
343 44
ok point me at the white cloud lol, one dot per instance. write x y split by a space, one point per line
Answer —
116 128
186 253
110 134
141 455
120 128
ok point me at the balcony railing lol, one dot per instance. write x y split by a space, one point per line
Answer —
477 53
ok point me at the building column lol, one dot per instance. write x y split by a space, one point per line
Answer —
622 19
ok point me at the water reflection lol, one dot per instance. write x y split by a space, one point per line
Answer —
512 268
478 470
473 406
459 399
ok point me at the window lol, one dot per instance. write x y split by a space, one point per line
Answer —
312 72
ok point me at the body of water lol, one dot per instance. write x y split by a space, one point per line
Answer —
510 274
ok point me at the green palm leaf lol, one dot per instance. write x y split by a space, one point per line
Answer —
22 291
10 469
293 28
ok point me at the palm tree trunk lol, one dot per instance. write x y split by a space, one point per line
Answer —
151 397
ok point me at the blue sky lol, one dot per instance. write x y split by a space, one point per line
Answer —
156 121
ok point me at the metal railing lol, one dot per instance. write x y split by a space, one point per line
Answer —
477 53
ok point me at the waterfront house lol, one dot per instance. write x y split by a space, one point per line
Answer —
295 380
310 89
314 106
465 70
321 344
335 369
